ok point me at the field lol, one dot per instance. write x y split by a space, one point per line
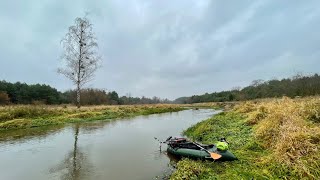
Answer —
28 116
273 139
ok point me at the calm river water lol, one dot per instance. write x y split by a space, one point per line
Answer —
121 149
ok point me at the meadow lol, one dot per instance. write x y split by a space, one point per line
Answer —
28 116
273 139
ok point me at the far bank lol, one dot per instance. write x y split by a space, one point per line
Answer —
29 116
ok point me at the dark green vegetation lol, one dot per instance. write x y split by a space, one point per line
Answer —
22 93
296 86
273 139
18 117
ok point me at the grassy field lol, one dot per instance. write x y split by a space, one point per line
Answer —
28 116
273 139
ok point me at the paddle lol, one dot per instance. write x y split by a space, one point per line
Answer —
214 156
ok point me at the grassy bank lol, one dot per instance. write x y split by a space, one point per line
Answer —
273 139
17 117
211 105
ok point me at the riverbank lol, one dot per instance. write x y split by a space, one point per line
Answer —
28 116
273 138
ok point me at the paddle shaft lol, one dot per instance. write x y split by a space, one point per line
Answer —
201 147
214 156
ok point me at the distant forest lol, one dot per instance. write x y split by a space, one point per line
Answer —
299 85
22 93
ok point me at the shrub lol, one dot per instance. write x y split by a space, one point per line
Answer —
4 98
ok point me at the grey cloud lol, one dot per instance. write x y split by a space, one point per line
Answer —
164 48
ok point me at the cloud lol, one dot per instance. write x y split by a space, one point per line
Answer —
162 48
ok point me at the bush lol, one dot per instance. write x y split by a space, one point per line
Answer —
4 98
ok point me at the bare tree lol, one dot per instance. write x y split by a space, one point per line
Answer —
257 82
80 54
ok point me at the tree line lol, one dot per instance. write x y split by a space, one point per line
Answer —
91 96
22 93
298 85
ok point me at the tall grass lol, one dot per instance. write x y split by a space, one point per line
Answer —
273 138
290 129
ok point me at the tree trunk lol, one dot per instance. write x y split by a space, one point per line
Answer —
78 96
79 68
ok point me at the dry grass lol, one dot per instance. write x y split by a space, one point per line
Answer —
290 129
273 139
25 116
213 105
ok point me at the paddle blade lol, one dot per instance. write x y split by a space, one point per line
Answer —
215 156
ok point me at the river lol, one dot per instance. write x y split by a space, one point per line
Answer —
121 149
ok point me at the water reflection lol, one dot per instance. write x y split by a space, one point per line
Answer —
121 149
22 135
76 164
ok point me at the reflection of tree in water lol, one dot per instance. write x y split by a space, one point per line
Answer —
75 165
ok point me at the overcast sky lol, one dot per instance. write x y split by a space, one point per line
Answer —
165 48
